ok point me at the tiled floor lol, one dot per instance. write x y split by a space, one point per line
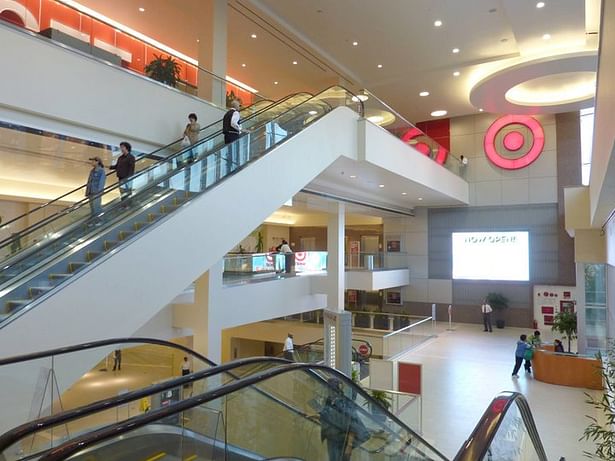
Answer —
465 368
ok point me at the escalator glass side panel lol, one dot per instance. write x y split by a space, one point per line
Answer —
334 419
75 238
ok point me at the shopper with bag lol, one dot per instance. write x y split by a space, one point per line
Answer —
191 135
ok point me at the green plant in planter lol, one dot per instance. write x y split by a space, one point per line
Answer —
566 323
382 399
165 70
603 434
498 302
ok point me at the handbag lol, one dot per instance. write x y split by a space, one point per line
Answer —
186 141
529 353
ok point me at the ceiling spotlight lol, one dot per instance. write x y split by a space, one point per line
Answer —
540 5
456 73
420 198
455 50
379 66
546 36
380 186
197 40
438 113
353 176
141 9
295 63
243 65
275 83
355 43
481 109
424 93
437 23
253 35
404 193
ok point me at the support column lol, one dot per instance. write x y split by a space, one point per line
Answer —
338 323
213 50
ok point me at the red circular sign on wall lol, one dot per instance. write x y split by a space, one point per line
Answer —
514 141
363 349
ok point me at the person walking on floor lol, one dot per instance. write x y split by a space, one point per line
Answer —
124 168
95 185
522 347
486 310
117 359
289 347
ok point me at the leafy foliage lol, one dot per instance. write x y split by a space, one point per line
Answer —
382 398
165 70
565 323
603 435
497 300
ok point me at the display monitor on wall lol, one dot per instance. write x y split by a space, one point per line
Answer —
491 256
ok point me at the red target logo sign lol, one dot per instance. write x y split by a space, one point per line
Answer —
423 147
513 141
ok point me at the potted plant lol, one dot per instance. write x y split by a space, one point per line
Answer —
498 302
565 322
165 70
381 398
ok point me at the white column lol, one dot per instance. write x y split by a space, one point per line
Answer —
212 50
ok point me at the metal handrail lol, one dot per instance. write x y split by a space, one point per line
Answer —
477 445
425 320
108 432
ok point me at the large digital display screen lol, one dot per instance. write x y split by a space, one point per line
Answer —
491 256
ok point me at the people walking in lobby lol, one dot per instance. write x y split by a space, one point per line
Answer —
95 185
288 256
117 359
289 347
522 347
124 168
486 310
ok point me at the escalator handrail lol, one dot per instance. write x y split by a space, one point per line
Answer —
172 173
101 343
71 447
476 446
146 156
17 433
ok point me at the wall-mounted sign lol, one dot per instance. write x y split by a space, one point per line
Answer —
419 140
508 132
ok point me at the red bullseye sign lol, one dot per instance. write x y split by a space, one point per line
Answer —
423 147
363 349
514 141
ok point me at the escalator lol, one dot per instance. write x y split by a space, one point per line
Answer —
283 412
59 256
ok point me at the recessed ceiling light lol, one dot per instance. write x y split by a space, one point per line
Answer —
424 93
404 193
353 176
253 35
295 63
540 5
243 65
355 43
380 186
420 198
275 83
141 9
546 36
379 66
456 73
438 113
437 23
480 110
455 50
197 40
312 112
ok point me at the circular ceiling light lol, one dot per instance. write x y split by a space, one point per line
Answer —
275 83
253 35
404 193
455 50
379 66
551 84
456 73
360 97
355 43
243 65
437 23
295 63
540 5
141 9
438 113
546 37
420 198
424 93
353 176
381 186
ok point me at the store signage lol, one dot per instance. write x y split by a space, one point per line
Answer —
514 141
413 134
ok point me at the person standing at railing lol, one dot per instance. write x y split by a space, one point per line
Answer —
288 256
191 135
95 185
124 169
232 130
117 360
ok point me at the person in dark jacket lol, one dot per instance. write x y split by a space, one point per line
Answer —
232 131
124 168
95 185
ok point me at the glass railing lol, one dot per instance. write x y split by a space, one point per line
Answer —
241 265
42 434
406 338
331 416
505 431
180 176
375 260
44 384
407 407
16 235
380 113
